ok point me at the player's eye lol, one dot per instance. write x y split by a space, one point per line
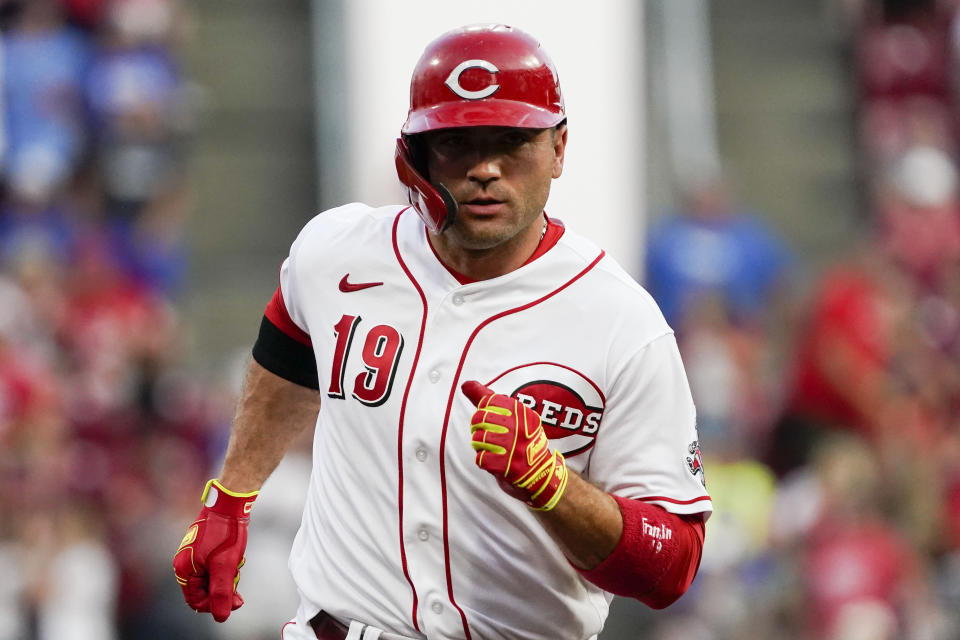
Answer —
516 138
450 142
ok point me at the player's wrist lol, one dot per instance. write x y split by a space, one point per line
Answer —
545 494
219 499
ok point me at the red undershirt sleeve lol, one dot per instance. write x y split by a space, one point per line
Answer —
657 557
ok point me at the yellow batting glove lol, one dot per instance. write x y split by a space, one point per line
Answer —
511 444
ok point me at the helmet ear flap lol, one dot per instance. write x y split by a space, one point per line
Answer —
434 203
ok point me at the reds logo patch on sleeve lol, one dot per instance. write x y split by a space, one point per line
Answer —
695 461
570 405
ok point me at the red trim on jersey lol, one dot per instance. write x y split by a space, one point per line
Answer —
286 624
403 410
550 238
278 316
672 500
657 557
555 364
446 418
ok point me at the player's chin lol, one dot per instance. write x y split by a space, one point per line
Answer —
483 232
480 238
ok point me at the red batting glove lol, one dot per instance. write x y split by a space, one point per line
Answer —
207 564
511 444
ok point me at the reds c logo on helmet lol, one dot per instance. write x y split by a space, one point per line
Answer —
570 405
453 80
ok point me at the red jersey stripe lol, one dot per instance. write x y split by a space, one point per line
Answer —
403 412
672 500
277 314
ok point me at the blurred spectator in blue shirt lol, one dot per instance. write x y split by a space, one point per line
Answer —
712 248
135 95
44 65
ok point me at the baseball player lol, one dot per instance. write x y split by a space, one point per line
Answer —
504 436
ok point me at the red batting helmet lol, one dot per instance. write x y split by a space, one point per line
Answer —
480 75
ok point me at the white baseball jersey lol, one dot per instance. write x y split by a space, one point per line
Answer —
401 529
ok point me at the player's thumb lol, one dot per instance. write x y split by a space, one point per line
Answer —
222 585
475 391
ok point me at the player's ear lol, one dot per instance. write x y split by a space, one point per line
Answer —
559 134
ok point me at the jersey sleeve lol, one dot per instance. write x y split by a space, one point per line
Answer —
648 447
278 315
283 344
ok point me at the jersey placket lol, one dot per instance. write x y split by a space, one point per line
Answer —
424 472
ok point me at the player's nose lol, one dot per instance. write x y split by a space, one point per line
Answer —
484 169
484 162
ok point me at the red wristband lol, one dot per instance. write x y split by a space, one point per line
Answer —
657 557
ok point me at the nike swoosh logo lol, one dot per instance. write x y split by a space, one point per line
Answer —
347 287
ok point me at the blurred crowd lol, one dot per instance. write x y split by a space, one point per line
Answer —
828 402
105 440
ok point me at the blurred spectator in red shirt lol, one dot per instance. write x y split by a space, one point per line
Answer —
903 51
857 571
918 210
115 334
904 70
874 354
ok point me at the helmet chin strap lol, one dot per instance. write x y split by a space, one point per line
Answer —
449 203
435 204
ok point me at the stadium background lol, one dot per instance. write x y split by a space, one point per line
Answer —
782 175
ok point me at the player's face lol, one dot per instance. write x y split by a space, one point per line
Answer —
500 178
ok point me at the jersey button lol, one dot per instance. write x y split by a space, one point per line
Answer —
437 608
421 454
458 299
434 376
423 535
